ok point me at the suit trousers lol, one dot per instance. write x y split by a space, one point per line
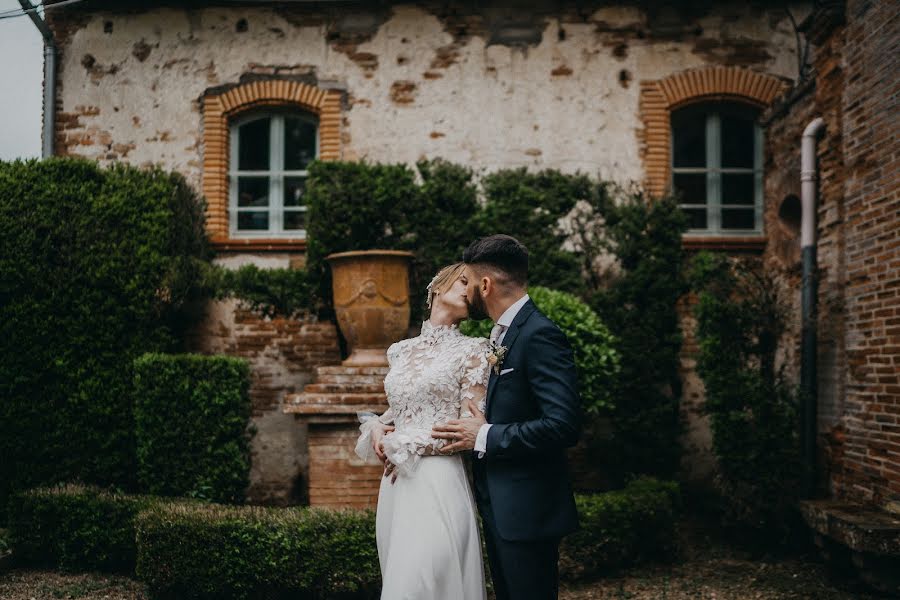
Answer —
520 570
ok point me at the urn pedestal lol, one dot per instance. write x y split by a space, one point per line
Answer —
371 300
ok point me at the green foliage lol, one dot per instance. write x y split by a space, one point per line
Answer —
191 425
75 528
593 347
640 307
97 266
622 527
740 319
214 551
269 292
529 206
354 206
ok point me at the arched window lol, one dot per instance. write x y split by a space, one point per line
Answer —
717 167
269 155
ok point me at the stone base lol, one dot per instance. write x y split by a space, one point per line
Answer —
337 477
858 538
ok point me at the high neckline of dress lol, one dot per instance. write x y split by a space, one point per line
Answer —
435 332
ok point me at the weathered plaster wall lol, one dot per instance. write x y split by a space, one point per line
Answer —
484 84
561 92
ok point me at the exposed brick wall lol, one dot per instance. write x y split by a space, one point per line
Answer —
283 355
855 91
871 129
338 478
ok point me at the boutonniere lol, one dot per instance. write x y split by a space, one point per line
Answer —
495 358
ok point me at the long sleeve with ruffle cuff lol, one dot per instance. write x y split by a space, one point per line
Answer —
405 447
368 422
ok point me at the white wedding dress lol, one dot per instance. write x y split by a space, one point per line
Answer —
425 525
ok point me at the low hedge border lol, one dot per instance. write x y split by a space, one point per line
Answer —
75 528
184 548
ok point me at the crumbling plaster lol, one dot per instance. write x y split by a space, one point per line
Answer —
131 82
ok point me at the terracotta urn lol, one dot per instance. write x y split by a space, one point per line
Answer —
371 300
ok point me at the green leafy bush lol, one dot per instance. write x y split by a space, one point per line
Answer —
529 206
354 206
740 319
593 346
639 303
268 292
191 425
214 551
622 527
358 206
75 528
97 266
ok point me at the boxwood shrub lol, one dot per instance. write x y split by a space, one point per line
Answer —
596 359
622 527
75 528
217 551
191 425
97 266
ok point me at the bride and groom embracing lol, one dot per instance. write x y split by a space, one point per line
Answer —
499 412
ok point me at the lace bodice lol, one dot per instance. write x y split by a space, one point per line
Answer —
430 378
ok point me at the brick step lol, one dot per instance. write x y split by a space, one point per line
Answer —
334 409
350 398
344 388
342 370
350 379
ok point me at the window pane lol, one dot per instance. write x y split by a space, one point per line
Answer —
295 219
253 154
689 138
737 142
737 188
696 217
253 191
299 143
253 220
294 188
737 218
692 187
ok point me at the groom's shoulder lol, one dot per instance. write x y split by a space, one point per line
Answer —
541 325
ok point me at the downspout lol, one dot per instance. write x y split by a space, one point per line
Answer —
49 78
808 376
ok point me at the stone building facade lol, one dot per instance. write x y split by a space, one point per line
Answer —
605 89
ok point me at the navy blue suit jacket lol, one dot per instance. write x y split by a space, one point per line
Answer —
535 414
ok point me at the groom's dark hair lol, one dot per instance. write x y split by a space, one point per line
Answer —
502 252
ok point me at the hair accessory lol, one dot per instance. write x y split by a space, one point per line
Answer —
428 290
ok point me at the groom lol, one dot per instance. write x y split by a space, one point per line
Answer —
532 414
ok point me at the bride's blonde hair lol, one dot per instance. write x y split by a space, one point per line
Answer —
443 280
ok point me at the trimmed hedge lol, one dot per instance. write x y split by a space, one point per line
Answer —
97 266
191 425
593 346
621 528
75 528
186 548
215 551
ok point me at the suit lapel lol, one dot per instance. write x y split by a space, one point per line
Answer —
508 340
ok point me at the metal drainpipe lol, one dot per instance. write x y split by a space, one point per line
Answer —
49 78
808 385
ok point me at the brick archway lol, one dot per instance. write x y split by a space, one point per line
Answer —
220 106
660 97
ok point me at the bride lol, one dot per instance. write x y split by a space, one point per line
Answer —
425 525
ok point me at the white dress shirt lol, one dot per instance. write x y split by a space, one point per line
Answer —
504 322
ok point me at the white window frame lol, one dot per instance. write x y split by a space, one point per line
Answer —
275 173
714 171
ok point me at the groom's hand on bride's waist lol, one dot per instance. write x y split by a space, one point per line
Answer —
460 433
